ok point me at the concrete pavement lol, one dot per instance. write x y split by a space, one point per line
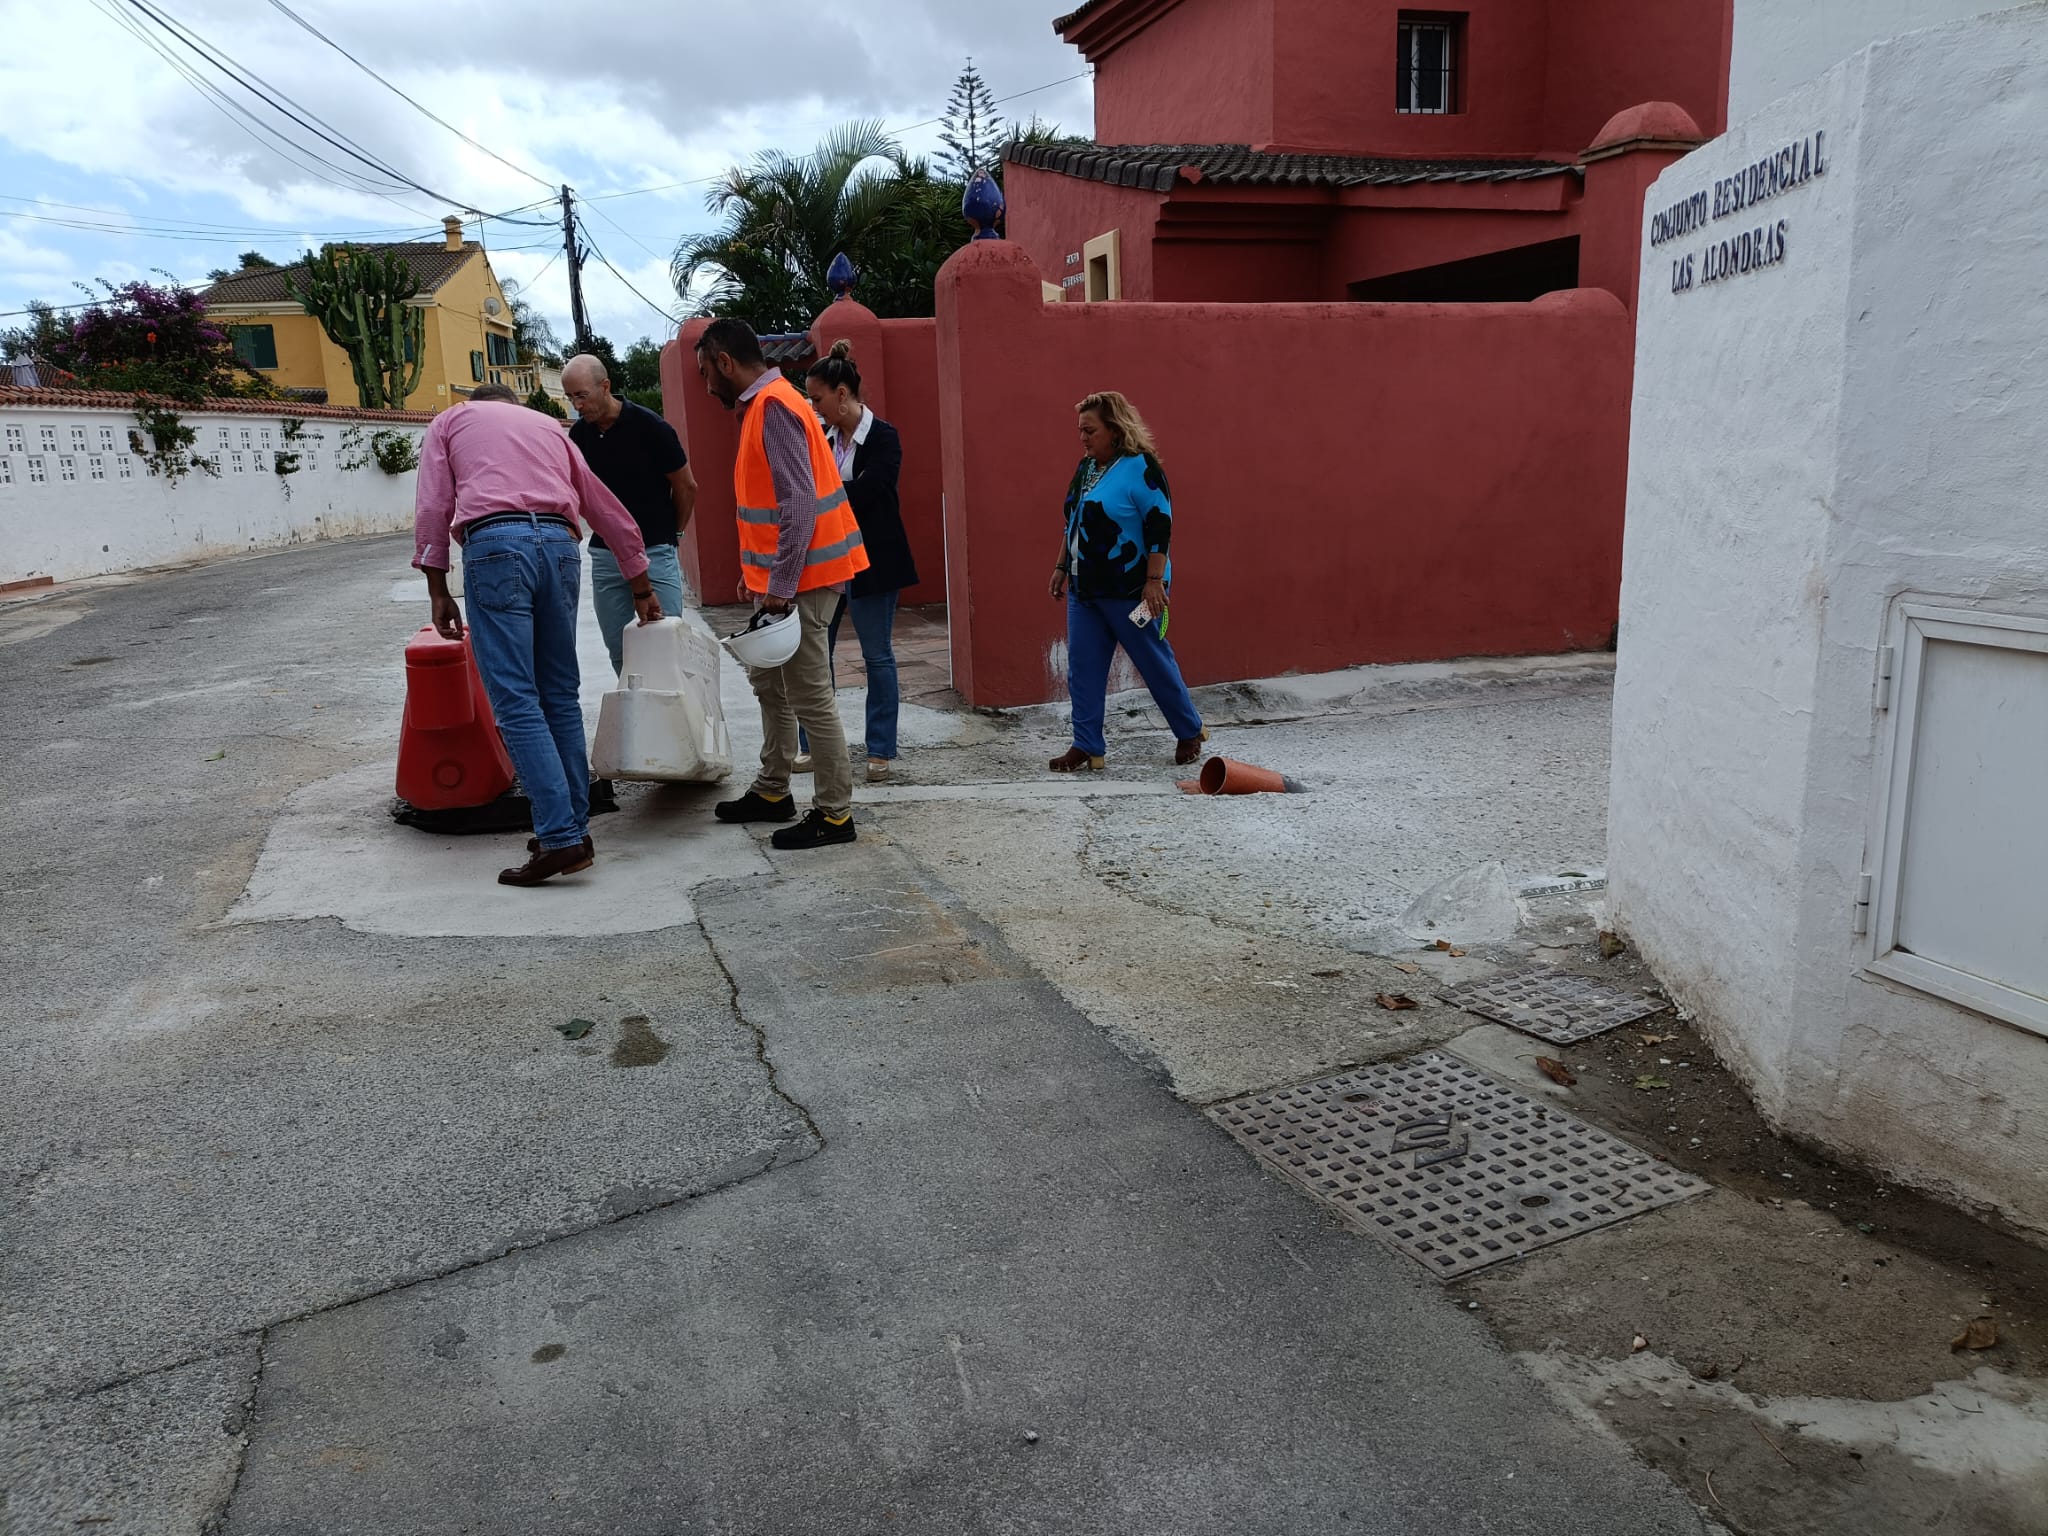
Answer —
315 1222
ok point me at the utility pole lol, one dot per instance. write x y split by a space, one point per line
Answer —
578 317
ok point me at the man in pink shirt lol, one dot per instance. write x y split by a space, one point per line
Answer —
507 485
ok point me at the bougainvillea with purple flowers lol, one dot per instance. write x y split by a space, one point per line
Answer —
153 340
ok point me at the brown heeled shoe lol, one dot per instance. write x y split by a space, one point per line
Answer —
1185 752
1074 760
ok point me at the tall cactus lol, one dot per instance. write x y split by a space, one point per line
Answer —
359 298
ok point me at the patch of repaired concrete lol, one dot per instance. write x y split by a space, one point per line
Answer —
1966 1457
334 851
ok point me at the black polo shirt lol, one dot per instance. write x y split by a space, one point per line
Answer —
634 459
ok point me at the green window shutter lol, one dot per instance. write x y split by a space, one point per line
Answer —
255 345
476 366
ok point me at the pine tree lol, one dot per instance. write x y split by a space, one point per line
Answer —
973 130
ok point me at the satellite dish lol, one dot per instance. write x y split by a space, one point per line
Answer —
492 306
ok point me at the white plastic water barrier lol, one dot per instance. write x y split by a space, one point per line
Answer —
664 721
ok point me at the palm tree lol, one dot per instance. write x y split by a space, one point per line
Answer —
787 216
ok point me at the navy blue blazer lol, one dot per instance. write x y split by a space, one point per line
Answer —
871 490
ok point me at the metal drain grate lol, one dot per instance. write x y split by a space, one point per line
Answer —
1552 1005
1438 1160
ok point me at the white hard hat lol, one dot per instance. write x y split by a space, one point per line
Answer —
767 642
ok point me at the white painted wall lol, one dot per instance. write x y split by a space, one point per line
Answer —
1811 442
1782 44
76 501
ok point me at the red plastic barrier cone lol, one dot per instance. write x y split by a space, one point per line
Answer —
1227 776
449 752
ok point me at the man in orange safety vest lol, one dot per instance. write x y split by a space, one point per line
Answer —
799 547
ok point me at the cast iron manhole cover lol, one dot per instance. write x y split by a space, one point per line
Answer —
1438 1160
1552 1005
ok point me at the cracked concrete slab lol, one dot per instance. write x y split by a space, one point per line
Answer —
154 1455
1019 1289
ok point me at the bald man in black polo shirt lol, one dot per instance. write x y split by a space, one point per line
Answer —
641 461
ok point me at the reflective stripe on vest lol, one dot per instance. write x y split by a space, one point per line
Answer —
836 553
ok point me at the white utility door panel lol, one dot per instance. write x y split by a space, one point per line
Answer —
1961 889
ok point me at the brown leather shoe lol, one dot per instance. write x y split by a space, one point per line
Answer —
533 844
543 867
1074 760
1185 752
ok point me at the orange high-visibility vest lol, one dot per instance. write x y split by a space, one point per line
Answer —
837 553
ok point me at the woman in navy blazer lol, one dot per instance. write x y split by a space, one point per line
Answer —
870 455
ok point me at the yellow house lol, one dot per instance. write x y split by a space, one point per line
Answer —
467 331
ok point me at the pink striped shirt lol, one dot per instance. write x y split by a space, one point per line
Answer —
492 456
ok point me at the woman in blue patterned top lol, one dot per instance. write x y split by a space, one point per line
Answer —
1114 573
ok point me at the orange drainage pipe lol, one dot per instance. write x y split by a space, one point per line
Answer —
1227 776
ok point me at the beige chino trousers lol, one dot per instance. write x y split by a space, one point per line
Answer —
800 693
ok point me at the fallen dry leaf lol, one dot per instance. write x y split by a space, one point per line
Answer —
1446 947
1556 1071
1982 1333
1638 1344
1409 966
1397 1001
1611 945
1652 1084
1657 1039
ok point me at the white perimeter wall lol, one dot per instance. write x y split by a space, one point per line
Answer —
1812 441
1782 44
96 507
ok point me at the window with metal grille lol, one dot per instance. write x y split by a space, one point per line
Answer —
1426 65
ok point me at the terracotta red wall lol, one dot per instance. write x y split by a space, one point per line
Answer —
912 350
1050 215
1539 76
899 377
1337 59
1446 481
710 547
1204 62
1606 55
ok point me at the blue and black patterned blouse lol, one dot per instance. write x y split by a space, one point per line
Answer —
1114 524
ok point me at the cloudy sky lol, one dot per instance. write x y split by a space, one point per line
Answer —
99 130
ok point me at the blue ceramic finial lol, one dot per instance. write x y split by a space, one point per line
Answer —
983 206
841 276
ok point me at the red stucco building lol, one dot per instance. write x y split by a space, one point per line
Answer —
1297 150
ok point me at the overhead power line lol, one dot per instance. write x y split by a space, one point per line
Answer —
615 272
279 102
426 112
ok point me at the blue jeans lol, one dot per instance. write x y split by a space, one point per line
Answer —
521 581
1096 626
612 595
874 622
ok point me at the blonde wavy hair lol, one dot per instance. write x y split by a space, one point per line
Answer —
1122 418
